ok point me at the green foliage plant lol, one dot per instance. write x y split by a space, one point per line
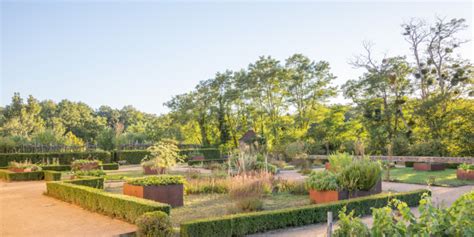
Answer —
350 226
466 167
339 160
361 174
164 154
157 180
322 181
154 224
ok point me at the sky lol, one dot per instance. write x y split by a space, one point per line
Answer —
142 53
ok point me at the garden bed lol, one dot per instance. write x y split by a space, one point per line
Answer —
445 178
429 166
465 174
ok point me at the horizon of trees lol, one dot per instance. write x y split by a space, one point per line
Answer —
418 104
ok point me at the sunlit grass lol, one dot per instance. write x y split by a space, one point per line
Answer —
445 177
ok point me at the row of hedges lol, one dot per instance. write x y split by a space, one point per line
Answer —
109 166
448 165
115 205
29 176
64 158
250 223
136 156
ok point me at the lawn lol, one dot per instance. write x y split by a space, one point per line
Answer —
445 177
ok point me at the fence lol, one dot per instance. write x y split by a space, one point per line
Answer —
36 148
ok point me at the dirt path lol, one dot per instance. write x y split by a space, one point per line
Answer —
25 211
441 195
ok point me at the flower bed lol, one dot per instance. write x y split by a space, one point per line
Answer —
465 172
164 188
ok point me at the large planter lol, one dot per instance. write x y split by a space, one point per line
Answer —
323 196
429 166
170 194
465 174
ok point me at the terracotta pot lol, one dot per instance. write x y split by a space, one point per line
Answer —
170 194
428 166
323 196
465 174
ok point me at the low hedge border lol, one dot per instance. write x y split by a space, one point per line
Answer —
93 182
251 223
56 167
64 158
115 205
197 162
47 175
132 157
110 166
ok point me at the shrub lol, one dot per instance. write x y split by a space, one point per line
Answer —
466 167
96 173
250 223
338 161
116 205
157 180
163 155
154 224
50 175
93 182
296 150
131 156
110 166
360 175
56 167
260 166
64 158
290 186
322 181
279 163
350 225
208 153
21 176
85 165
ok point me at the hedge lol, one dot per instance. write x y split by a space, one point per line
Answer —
197 162
250 223
93 182
56 167
50 175
64 158
131 156
208 153
8 175
115 205
110 166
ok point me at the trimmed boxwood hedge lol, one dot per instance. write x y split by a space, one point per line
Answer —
64 158
93 182
110 166
250 223
8 175
56 167
50 175
130 156
208 153
115 205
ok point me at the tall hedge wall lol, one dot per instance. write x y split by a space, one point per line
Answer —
208 153
65 158
131 156
115 205
250 223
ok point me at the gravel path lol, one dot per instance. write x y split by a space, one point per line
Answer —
25 211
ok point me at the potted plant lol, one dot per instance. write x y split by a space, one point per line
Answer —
465 171
322 187
162 188
360 178
337 161
163 155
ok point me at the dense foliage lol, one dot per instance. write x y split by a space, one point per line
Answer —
416 104
157 180
322 181
154 224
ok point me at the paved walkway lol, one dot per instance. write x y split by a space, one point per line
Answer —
25 211
441 195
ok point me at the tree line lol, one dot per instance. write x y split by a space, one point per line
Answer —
416 104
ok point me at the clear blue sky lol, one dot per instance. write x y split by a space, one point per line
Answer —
141 54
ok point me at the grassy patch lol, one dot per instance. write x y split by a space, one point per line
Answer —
215 205
445 178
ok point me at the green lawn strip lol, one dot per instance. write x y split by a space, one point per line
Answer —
445 178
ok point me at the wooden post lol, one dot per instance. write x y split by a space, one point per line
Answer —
329 231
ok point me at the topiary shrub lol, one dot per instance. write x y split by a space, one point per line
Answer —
154 224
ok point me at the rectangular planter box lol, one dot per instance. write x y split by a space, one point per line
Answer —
323 196
465 174
170 194
429 166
